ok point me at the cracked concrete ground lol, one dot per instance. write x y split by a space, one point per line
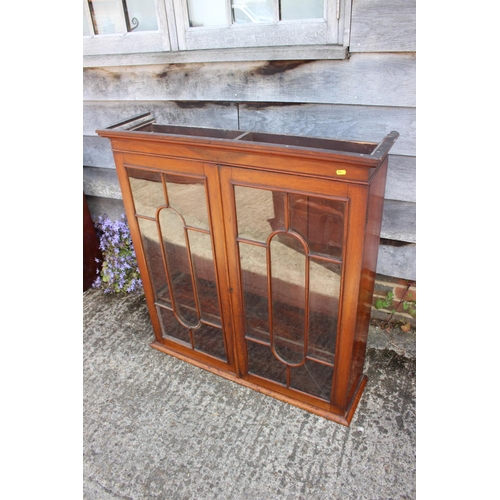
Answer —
155 427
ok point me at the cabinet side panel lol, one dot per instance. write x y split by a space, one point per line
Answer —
370 254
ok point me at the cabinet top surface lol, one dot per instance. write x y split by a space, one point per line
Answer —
144 128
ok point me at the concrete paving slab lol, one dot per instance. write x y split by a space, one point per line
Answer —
155 427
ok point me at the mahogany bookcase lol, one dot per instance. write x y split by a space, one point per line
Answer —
258 253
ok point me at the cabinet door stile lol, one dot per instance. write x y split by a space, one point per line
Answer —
235 286
358 198
217 217
137 242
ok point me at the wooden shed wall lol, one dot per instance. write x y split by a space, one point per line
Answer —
363 97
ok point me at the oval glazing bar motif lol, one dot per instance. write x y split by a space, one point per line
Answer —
173 220
290 251
288 338
177 258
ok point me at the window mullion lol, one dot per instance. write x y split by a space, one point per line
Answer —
277 9
166 24
181 21
345 23
229 12
332 33
121 9
88 15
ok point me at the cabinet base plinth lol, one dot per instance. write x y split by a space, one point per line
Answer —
344 419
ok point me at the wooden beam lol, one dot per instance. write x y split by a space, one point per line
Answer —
364 79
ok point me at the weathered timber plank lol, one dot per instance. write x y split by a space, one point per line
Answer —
383 26
99 114
358 123
97 152
101 182
399 221
290 53
401 179
110 207
398 261
369 79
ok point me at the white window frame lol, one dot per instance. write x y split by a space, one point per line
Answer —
130 42
174 34
332 30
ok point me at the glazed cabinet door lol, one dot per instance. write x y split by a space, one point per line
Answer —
174 212
293 271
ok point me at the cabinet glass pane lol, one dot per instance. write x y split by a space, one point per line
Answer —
320 221
298 9
323 308
288 291
259 212
154 259
179 266
209 340
203 13
201 253
171 328
254 283
147 191
187 196
262 362
313 378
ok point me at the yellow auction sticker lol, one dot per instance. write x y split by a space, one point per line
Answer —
341 172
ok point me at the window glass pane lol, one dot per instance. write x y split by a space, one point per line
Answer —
107 16
86 28
142 15
298 9
203 13
253 11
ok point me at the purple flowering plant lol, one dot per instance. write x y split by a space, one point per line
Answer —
119 272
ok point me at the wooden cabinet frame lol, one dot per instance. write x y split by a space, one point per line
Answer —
257 253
